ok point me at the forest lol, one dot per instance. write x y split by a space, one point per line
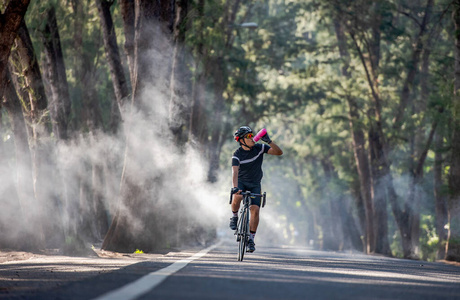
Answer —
117 121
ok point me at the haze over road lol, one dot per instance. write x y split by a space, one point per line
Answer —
268 273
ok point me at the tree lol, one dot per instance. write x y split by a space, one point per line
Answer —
151 30
359 148
453 243
381 145
10 22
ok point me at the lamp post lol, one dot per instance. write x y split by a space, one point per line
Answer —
249 25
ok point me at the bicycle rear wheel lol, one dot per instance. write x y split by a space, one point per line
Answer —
243 236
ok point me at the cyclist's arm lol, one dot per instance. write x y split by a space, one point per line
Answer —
274 150
235 175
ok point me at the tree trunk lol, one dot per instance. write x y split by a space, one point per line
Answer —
100 211
179 100
128 14
417 142
333 235
362 163
16 105
198 118
13 105
152 34
120 84
197 124
91 109
78 18
217 125
11 215
152 29
379 192
359 147
33 239
54 71
118 236
11 20
414 193
348 226
220 80
91 115
33 77
30 85
376 139
360 211
453 243
59 105
440 201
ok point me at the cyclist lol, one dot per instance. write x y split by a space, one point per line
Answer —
247 174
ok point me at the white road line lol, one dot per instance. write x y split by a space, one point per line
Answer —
151 280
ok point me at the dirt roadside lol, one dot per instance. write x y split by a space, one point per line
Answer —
23 274
14 256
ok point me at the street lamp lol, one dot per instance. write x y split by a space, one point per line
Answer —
250 25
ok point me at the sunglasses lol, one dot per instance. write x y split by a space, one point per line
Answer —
249 136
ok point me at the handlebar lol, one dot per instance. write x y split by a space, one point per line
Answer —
248 193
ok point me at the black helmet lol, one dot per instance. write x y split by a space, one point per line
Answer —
241 132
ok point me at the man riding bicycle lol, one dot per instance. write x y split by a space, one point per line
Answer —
247 174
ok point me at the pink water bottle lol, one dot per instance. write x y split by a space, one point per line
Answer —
260 134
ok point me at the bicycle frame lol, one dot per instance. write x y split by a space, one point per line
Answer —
242 230
242 233
243 220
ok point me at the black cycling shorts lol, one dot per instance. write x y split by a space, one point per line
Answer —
253 188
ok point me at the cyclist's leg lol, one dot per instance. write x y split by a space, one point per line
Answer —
253 224
254 220
236 201
237 198
255 208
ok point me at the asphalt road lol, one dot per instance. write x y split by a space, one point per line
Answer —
269 273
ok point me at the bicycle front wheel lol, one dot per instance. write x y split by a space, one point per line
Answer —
243 236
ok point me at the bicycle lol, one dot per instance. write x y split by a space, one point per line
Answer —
242 229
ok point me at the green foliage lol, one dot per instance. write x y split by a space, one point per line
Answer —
429 240
395 246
